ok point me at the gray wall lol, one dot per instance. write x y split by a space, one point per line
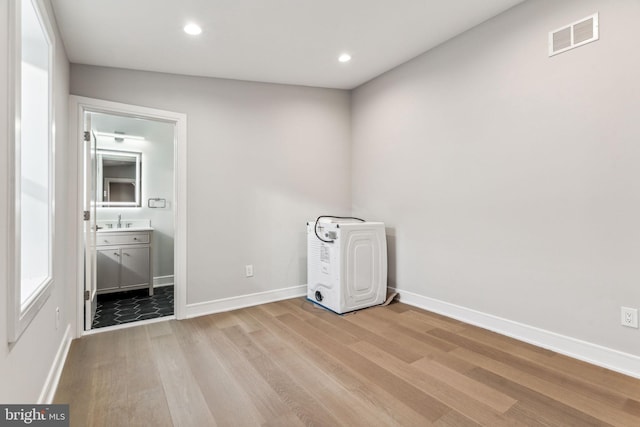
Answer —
24 366
262 160
510 181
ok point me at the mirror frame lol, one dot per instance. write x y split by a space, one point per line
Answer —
100 184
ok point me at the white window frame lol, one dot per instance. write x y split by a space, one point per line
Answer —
20 315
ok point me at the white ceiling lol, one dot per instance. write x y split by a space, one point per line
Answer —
278 41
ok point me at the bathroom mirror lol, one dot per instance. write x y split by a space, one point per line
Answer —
118 178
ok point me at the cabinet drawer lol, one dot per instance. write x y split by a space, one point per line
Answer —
122 239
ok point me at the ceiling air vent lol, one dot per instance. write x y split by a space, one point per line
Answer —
573 35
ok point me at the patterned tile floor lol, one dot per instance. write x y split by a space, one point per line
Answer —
131 306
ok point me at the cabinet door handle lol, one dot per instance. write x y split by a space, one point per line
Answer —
124 253
116 254
135 238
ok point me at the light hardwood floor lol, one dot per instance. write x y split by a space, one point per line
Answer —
290 364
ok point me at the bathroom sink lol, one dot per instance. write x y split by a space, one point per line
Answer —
111 226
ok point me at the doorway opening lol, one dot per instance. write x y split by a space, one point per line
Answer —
131 232
133 174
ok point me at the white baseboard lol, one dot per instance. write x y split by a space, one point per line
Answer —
51 384
160 281
595 354
242 301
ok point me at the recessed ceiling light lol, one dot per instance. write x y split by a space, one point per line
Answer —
192 29
345 57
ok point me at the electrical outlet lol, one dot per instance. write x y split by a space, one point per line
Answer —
629 317
248 270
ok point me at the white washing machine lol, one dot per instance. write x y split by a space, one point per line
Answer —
346 264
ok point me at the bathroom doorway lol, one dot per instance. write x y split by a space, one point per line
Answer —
133 172
131 245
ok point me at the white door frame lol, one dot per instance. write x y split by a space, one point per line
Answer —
78 105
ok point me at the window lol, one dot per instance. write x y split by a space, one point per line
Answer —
31 218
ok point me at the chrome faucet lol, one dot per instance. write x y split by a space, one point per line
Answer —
119 220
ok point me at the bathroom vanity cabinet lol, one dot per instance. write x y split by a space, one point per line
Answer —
124 260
